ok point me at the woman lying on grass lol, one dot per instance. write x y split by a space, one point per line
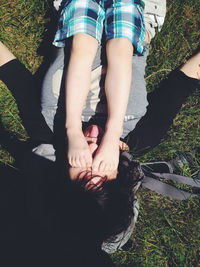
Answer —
149 131
114 197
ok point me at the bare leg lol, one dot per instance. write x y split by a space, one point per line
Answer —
78 79
192 67
5 54
117 86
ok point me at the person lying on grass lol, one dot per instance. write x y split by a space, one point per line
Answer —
148 133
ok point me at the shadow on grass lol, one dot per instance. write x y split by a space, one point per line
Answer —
15 147
46 49
21 200
11 191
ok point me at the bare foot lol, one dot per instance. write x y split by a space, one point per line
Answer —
192 67
79 154
107 156
5 54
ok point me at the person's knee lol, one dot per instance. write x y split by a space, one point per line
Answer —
84 45
119 48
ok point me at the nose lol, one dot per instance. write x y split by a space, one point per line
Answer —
93 131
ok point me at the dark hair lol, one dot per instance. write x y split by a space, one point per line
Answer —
109 203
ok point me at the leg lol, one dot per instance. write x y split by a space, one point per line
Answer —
53 88
137 103
164 103
83 51
117 86
21 83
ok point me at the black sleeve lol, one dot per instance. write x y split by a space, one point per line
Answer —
164 103
21 84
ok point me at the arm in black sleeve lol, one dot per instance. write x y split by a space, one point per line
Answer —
22 86
164 103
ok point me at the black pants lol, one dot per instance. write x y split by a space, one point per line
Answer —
164 104
24 89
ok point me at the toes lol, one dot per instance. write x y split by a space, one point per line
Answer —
70 161
88 164
95 164
102 166
85 161
73 162
82 162
76 162
113 167
110 167
95 168
81 159
106 167
88 161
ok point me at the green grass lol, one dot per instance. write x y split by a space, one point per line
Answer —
167 232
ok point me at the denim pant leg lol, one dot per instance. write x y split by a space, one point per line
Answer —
53 85
137 103
51 88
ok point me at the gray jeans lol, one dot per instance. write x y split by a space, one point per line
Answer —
53 87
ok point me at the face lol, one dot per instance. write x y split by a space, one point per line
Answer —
93 135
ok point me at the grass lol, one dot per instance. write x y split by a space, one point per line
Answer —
167 232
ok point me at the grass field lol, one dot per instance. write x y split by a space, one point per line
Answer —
167 232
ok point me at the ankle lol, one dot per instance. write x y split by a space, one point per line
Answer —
73 123
113 133
72 130
114 129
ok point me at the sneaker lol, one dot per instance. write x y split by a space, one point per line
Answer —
128 246
185 159
174 165
158 167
